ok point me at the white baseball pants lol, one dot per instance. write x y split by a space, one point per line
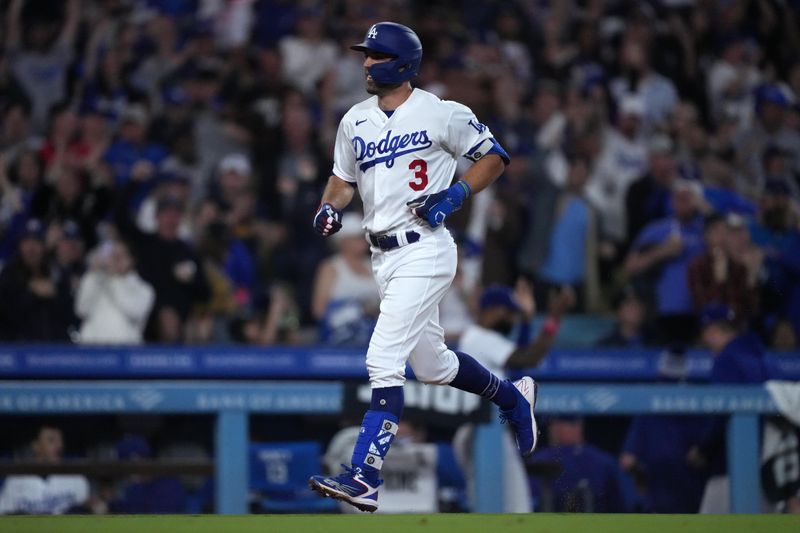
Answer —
412 280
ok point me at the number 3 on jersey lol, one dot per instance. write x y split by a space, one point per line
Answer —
420 168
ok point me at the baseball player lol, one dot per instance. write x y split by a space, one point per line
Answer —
399 148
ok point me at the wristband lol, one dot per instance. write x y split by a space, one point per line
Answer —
550 326
467 188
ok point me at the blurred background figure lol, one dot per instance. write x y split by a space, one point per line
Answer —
503 310
655 450
660 256
571 260
570 475
345 298
739 357
145 494
166 262
53 494
715 277
630 329
112 300
42 309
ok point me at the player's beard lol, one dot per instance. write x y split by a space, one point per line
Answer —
381 89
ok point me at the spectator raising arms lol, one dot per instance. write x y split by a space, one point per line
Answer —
39 58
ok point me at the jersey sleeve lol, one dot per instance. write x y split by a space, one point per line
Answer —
344 156
465 135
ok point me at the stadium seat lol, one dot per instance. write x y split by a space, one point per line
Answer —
279 473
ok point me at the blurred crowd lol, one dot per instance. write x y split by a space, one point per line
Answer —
161 161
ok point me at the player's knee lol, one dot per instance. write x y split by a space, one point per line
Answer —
435 368
435 376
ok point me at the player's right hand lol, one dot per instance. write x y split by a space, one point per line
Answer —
328 220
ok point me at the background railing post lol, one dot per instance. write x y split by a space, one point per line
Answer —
231 462
743 463
488 461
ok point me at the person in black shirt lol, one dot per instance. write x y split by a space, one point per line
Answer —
37 302
165 261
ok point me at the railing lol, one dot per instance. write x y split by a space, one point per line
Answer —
23 361
233 401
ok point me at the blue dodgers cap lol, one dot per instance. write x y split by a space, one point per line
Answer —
498 296
772 93
716 312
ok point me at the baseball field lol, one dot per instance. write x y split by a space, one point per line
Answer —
457 523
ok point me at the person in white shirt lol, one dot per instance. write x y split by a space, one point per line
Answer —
112 300
501 309
622 160
346 298
55 494
308 56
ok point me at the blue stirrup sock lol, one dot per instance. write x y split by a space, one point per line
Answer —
378 430
475 378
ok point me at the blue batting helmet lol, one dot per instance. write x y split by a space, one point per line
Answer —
395 40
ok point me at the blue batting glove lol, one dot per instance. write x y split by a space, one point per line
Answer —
328 220
434 208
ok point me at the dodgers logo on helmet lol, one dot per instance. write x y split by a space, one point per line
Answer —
395 40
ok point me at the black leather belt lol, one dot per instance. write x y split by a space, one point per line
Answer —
390 242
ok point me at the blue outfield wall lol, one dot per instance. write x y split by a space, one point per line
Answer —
232 401
21 361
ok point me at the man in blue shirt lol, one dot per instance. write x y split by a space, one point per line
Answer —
664 249
583 478
569 257
656 446
132 150
739 358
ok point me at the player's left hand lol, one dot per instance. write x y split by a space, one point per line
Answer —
434 208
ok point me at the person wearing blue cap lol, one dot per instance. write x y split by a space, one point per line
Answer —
501 309
571 475
145 494
655 448
772 101
739 357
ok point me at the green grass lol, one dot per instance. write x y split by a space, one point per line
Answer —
456 523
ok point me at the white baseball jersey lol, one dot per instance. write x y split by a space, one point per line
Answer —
399 158
42 495
488 347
